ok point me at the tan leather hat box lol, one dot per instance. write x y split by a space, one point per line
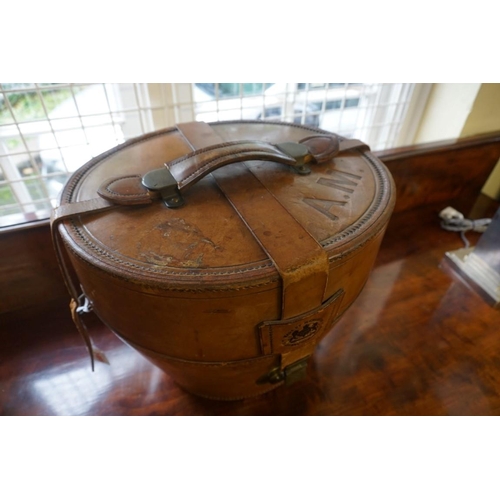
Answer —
223 252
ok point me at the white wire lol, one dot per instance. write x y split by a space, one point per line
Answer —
453 220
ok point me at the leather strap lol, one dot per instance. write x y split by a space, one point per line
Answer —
62 213
76 305
299 258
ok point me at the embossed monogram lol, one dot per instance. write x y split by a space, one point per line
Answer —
343 181
301 334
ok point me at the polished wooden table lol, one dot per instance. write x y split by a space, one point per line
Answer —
416 342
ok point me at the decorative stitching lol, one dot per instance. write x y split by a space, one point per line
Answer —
162 270
114 193
164 286
206 166
210 148
384 187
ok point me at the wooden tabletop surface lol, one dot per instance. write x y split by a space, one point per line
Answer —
416 342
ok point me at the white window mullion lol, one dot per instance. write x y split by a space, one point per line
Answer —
413 115
109 93
184 102
400 107
290 96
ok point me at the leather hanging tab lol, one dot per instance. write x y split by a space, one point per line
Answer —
59 214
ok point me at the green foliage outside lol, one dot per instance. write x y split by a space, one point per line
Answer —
27 105
7 196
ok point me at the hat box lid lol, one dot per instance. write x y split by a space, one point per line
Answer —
206 242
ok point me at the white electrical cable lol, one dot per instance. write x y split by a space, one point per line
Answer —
453 220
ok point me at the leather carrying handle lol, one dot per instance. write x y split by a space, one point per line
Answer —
176 176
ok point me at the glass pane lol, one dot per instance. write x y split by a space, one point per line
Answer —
91 100
59 103
65 123
53 84
75 157
27 106
130 124
17 86
5 114
22 162
272 112
352 103
6 195
51 162
45 207
101 138
120 97
12 145
9 210
72 137
54 184
203 92
97 120
229 90
42 141
335 104
36 189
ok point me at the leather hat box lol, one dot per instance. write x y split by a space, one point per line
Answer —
223 252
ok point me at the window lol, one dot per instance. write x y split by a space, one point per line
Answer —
49 130
373 112
225 90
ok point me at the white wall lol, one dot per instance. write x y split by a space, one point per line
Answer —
456 110
446 112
